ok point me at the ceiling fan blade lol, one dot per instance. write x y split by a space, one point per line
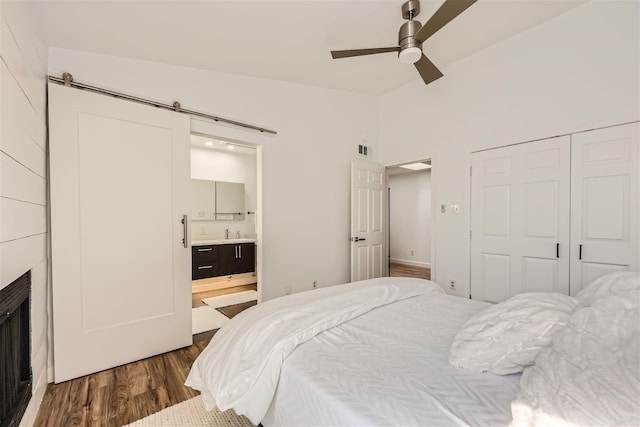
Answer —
336 54
447 12
427 70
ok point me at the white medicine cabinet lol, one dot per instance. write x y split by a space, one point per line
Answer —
216 200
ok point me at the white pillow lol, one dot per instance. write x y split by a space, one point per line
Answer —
625 284
590 373
507 337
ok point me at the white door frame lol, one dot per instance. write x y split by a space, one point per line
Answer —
434 211
249 139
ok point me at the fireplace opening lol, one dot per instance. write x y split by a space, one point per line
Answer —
15 350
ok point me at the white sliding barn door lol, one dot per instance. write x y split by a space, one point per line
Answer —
119 189
604 203
368 255
520 220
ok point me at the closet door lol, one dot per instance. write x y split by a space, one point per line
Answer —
520 220
604 203
119 177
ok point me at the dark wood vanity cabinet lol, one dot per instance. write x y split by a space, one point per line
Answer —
205 262
222 260
238 258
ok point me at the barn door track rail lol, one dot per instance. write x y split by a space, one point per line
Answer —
67 80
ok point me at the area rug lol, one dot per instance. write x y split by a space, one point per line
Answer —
206 319
232 310
191 413
231 299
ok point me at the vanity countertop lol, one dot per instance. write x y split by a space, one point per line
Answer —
221 242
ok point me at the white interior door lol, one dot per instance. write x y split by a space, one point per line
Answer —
368 257
520 220
604 203
120 271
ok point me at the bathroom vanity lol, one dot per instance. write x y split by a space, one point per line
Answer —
222 263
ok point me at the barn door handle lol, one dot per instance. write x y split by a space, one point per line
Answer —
184 231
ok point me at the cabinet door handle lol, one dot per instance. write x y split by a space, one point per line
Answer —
205 267
239 251
205 250
580 252
557 250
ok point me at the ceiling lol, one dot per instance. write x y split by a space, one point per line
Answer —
284 40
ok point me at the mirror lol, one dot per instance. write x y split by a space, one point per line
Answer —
216 200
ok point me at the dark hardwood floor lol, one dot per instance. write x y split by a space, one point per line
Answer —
402 270
121 395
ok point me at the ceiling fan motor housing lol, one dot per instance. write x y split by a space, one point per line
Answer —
410 48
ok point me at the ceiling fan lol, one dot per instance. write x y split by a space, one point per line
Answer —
412 34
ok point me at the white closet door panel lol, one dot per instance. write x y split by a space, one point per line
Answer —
497 211
495 271
520 211
539 274
545 231
604 203
120 272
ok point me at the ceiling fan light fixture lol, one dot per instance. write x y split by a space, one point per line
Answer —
410 55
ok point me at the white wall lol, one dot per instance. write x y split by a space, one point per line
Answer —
23 189
305 171
410 218
579 71
227 166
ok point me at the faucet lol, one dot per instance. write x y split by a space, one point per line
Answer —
226 233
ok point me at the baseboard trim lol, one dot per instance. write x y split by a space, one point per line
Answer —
411 263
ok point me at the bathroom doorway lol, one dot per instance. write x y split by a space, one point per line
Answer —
223 231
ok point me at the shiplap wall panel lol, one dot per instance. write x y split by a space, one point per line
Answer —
21 255
23 186
18 120
21 219
20 183
12 55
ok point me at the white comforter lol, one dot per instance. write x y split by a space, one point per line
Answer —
590 374
241 366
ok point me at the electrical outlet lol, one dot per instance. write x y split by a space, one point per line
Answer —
452 285
411 252
315 284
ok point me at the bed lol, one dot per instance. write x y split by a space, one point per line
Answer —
377 352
